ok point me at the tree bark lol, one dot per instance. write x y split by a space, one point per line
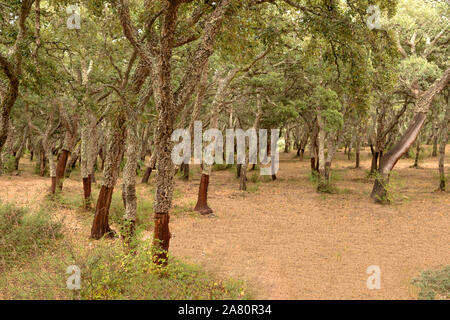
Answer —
61 168
100 225
147 173
388 161
243 179
202 205
443 138
12 70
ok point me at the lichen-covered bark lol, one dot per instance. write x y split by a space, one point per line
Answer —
12 70
129 171
114 154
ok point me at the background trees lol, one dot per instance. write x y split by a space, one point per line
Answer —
110 94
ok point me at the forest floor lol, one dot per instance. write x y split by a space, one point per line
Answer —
285 240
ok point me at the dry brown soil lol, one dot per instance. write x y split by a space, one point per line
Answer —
289 242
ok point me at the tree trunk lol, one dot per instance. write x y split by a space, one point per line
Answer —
313 148
202 205
388 161
443 138
287 141
186 171
129 177
61 168
41 163
100 225
12 70
87 192
19 152
147 173
243 179
357 151
416 160
71 163
323 181
51 164
374 166
435 146
442 144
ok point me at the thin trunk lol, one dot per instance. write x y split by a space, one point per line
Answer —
443 138
186 171
72 160
322 185
243 179
42 162
435 142
83 164
416 160
147 173
357 152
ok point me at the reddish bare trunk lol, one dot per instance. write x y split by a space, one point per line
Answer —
100 226
161 237
61 168
87 192
202 202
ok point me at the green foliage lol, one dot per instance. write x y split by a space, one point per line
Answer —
23 234
417 68
220 167
323 186
434 284
144 211
254 177
119 274
253 187
111 271
9 164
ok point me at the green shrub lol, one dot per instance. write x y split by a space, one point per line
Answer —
434 284
116 274
23 233
254 177
111 271
220 167
323 186
144 211
9 164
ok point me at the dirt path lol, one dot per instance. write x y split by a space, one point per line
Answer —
287 241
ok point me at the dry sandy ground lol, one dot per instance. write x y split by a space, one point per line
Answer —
289 242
